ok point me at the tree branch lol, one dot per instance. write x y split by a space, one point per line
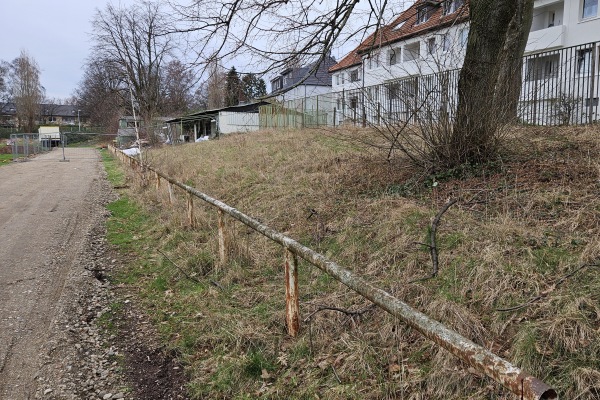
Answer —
433 246
547 291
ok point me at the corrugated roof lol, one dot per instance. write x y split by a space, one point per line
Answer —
405 27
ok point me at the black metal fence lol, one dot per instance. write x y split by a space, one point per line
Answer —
559 87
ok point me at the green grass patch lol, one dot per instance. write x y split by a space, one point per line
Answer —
114 171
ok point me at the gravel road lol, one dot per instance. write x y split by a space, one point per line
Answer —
54 261
51 230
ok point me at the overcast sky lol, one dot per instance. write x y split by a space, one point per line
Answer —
54 33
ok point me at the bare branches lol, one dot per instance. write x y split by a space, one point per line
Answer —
549 290
272 32
188 276
349 313
433 242
136 41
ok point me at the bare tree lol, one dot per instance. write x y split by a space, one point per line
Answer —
492 66
4 68
135 41
215 85
26 90
292 31
102 94
177 85
273 33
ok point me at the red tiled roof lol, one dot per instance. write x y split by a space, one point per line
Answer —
404 27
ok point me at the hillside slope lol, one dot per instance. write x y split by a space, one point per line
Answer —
518 266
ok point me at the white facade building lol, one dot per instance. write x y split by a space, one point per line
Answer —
389 68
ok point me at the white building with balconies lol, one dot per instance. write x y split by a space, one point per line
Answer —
560 66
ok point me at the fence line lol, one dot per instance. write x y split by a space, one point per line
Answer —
559 87
510 376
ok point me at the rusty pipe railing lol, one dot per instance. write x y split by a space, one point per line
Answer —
502 371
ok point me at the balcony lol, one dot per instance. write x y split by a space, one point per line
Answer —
546 39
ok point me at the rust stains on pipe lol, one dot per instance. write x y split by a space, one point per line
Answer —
510 376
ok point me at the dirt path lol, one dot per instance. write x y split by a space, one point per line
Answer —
45 210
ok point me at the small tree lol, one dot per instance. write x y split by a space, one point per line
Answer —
176 88
26 90
233 88
215 86
253 87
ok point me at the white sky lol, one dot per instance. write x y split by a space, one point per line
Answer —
56 34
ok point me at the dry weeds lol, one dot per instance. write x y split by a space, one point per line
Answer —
522 222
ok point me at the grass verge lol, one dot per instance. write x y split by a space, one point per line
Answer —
518 231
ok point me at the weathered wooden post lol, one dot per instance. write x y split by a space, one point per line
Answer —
292 309
157 180
171 196
222 242
190 205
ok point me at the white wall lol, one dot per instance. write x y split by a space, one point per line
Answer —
448 53
230 122
570 28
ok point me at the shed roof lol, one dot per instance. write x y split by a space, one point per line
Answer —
246 107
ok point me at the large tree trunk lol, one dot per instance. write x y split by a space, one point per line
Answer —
490 80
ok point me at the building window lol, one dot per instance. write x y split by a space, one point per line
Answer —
393 57
393 91
431 46
354 103
373 94
354 76
424 13
337 79
590 8
594 102
584 61
374 60
464 36
539 68
451 6
446 42
412 51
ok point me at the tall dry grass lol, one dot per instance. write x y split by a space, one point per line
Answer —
520 226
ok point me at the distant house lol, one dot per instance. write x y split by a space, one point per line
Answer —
302 82
212 123
63 114
8 115
48 114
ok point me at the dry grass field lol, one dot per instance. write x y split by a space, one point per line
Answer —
518 266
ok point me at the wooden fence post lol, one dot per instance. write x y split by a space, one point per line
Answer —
157 180
190 205
292 309
171 196
222 243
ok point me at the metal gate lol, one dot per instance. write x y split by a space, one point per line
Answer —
68 146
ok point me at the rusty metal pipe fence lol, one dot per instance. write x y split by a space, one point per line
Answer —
510 376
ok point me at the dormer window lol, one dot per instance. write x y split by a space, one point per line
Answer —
452 6
424 13
399 25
